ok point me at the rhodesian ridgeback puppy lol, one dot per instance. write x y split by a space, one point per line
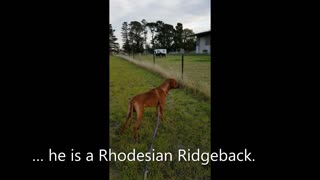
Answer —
154 98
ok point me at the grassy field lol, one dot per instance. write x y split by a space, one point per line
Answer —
186 125
196 68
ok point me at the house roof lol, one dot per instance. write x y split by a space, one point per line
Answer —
202 33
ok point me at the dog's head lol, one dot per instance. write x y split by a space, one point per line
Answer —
173 83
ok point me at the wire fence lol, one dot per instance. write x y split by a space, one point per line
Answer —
191 70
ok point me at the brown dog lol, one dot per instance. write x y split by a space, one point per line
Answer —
154 98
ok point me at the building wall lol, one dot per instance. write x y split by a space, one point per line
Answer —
203 44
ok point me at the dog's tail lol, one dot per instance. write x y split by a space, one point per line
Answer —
129 116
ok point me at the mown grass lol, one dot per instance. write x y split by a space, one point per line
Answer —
186 125
196 73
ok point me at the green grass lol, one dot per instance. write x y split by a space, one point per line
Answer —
196 69
186 125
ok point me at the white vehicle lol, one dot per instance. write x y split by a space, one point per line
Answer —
160 52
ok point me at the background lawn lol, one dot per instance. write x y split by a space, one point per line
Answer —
186 125
196 67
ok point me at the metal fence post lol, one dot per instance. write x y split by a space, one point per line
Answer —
182 54
182 67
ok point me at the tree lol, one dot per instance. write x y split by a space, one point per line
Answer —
125 37
188 40
135 36
152 26
145 32
178 37
113 45
158 39
164 36
149 49
168 32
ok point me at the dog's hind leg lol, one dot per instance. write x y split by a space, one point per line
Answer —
131 109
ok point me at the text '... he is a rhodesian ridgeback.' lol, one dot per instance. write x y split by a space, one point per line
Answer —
154 98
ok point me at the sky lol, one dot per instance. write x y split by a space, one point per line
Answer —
193 14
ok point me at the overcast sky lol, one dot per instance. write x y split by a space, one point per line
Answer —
193 14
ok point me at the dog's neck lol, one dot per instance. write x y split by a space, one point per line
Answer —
165 87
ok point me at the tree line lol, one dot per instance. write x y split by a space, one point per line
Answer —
163 36
113 45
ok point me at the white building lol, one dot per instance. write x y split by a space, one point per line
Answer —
203 44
